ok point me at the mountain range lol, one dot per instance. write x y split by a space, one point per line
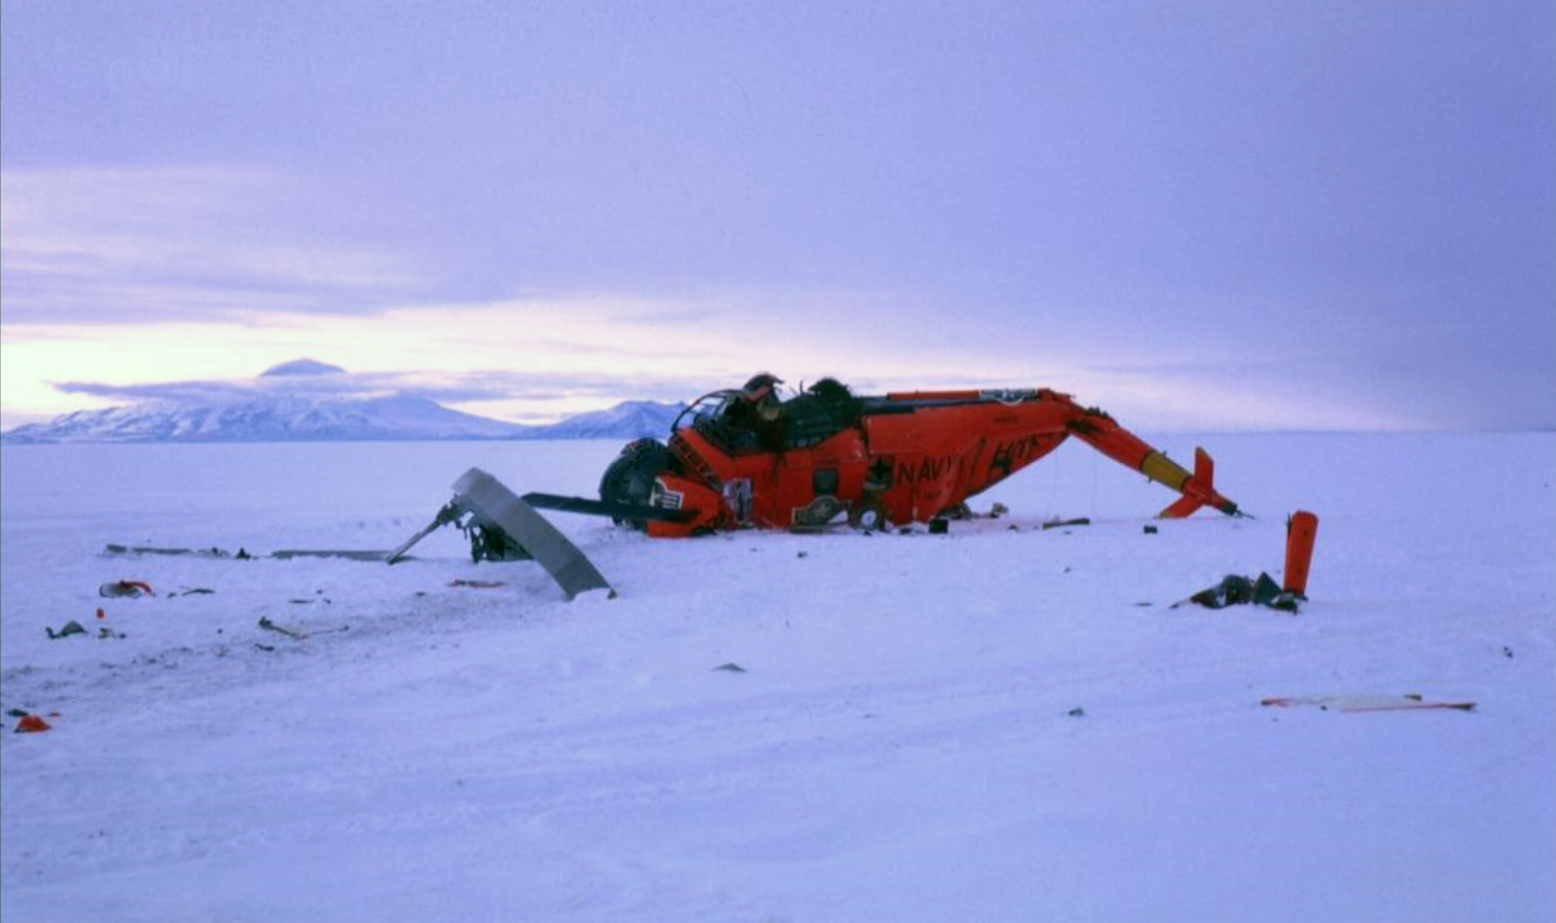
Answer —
305 418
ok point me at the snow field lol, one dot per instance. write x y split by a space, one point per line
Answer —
899 745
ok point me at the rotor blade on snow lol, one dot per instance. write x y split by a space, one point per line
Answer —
287 554
284 554
488 497
112 548
1365 703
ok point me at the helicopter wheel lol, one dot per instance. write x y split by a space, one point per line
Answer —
868 516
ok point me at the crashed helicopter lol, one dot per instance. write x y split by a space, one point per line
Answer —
746 458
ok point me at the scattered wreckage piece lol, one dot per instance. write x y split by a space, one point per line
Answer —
1066 523
297 632
1301 532
291 631
1234 590
1411 701
113 549
502 526
125 588
30 724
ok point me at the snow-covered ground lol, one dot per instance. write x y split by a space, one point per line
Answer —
1002 723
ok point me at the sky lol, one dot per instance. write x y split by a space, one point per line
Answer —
1271 215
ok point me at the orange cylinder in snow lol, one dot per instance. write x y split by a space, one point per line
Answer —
1301 530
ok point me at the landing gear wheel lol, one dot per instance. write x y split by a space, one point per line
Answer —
868 516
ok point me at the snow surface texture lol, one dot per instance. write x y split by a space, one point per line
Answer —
994 724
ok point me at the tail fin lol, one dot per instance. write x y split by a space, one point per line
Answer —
1199 490
1099 431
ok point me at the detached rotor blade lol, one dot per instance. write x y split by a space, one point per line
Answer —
487 497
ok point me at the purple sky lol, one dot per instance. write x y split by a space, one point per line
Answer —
1267 215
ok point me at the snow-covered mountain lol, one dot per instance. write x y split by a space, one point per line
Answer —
627 420
295 417
306 400
265 418
301 367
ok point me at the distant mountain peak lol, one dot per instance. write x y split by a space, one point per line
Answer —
294 417
301 367
628 419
